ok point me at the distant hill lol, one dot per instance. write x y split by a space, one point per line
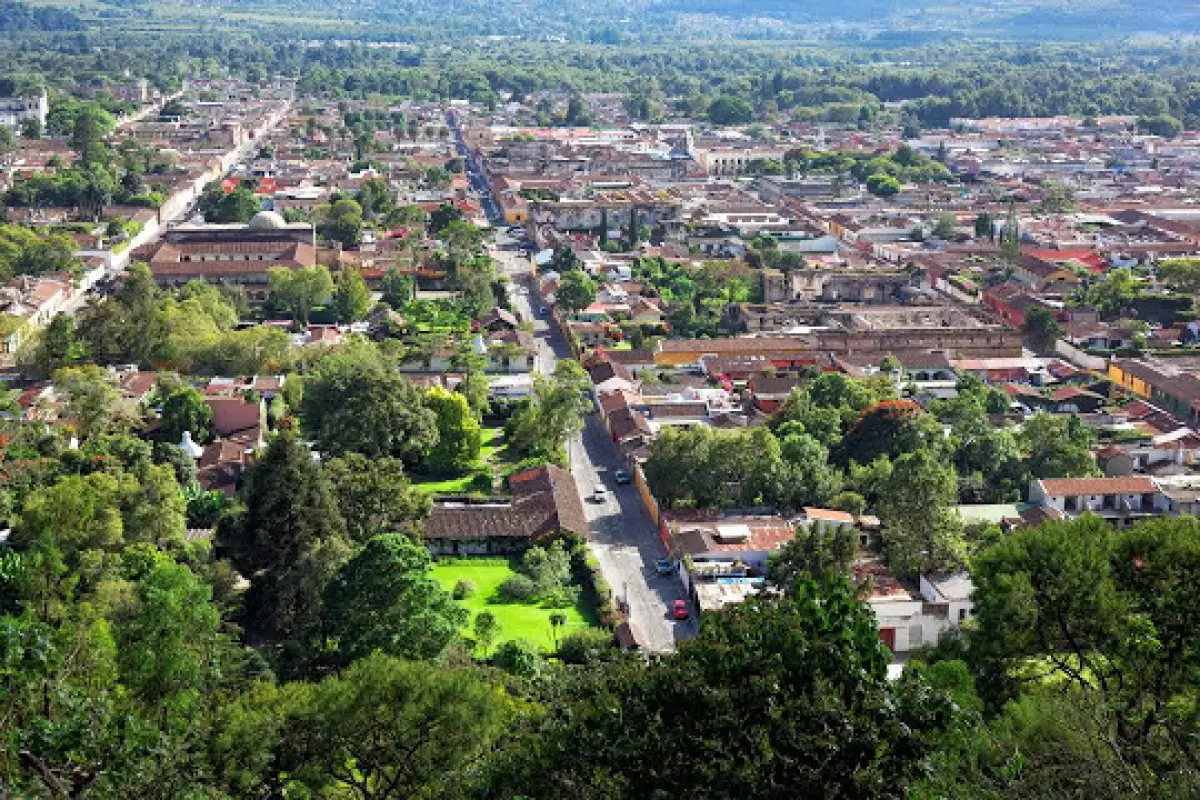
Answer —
888 21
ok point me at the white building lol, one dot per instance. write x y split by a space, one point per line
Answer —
14 111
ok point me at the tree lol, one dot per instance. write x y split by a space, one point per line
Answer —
375 497
25 252
342 222
171 643
1010 235
1057 198
945 225
564 259
398 289
1107 616
477 390
1057 447
1041 327
1161 125
818 551
802 677
352 298
985 225
231 207
1181 274
487 628
554 414
730 110
91 125
1115 290
882 185
385 599
921 530
185 410
889 428
558 619
391 729
94 404
577 291
375 198
290 540
299 290
463 241
442 216
57 346
31 128
355 403
460 437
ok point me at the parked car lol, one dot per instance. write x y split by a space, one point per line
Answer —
599 494
663 566
681 610
621 476
543 311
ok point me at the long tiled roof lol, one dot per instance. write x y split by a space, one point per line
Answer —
1097 486
544 500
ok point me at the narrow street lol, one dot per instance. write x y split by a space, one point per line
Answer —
625 540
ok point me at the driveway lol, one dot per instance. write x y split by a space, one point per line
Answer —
624 539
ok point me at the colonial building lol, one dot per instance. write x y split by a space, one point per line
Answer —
235 254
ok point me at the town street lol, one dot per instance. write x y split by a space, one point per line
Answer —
625 540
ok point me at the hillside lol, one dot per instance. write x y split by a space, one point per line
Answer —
882 21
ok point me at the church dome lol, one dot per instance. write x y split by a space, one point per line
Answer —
266 220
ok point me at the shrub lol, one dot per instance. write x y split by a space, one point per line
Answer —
587 646
481 482
518 657
519 589
561 596
463 589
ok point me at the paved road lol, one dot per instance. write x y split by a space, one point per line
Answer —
625 541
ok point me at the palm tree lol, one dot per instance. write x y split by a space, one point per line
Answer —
557 620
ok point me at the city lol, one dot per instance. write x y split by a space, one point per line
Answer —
391 423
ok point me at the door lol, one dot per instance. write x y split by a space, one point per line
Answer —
888 635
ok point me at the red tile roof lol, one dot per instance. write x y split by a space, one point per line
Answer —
1097 486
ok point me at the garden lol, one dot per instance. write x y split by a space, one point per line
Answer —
537 597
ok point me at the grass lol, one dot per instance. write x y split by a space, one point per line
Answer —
439 486
517 620
493 452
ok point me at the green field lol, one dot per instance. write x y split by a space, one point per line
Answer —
517 620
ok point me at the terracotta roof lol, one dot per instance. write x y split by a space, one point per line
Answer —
764 344
625 422
829 515
766 533
233 415
1070 392
1096 486
686 410
614 401
781 385
605 370
625 357
544 500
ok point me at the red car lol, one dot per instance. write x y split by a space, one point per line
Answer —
681 609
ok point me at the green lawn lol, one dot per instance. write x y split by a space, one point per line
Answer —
517 620
493 452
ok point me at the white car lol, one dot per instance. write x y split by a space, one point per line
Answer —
599 494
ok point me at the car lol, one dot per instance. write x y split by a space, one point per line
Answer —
621 477
543 311
663 566
681 610
599 494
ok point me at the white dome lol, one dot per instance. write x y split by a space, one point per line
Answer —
266 220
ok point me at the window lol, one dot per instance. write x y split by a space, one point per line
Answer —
962 614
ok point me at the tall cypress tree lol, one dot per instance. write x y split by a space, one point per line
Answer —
290 540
